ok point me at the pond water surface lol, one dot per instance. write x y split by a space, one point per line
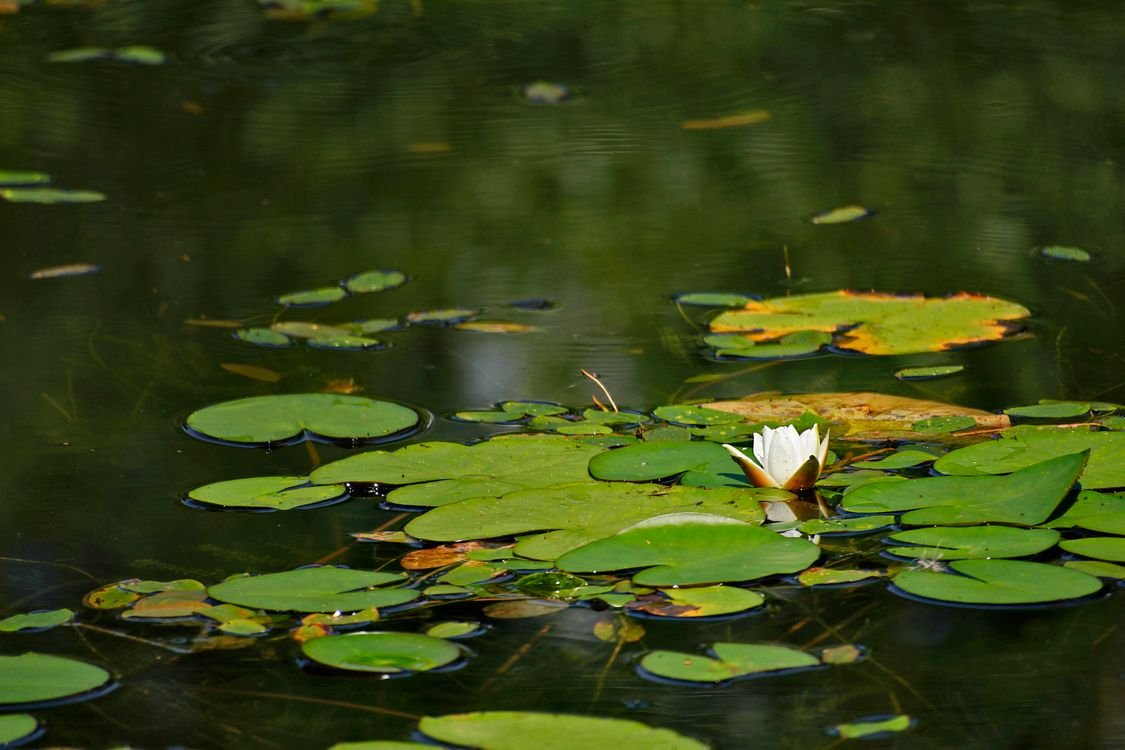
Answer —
267 156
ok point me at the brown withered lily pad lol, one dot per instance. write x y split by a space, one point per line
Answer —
878 322
861 415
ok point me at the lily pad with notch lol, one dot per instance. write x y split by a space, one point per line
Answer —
41 620
320 589
1000 582
518 730
382 652
698 601
1094 511
728 661
267 493
284 419
970 543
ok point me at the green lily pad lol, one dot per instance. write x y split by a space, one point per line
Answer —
15 177
841 215
711 601
796 344
275 493
79 54
139 55
380 745
571 515
50 196
321 589
975 542
1097 568
374 281
1026 497
1023 446
1114 423
321 296
730 342
385 653
262 337
1110 549
845 479
375 325
998 582
1050 410
845 526
16 727
903 459
507 412
873 727
693 553
695 416
877 323
36 620
350 343
1064 252
928 373
650 461
835 576
1094 511
730 660
546 92
714 299
941 425
446 317
36 678
265 420
301 329
441 473
519 730
453 629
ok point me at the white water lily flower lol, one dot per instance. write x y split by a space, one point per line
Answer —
783 458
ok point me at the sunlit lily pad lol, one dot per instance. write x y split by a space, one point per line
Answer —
693 553
1097 568
845 526
50 196
1026 497
741 119
447 316
714 299
374 281
137 54
310 297
835 576
35 620
873 727
729 661
494 326
1050 410
706 601
1094 511
17 727
1110 549
649 461
301 329
572 515
37 678
385 653
998 582
518 730
791 345
903 459
64 271
442 473
380 745
321 589
17 177
841 215
546 92
928 373
695 416
878 323
1064 252
275 493
1023 446
264 420
454 629
974 542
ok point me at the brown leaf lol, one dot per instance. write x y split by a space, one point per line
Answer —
438 557
752 117
253 372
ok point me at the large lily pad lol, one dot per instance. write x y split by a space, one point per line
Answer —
1094 511
649 461
1109 548
998 582
448 472
878 323
857 416
265 420
693 553
272 493
519 730
321 589
1026 497
974 542
730 660
575 514
35 678
385 653
1023 446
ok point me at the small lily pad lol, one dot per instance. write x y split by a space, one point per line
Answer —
49 196
301 329
16 729
903 459
262 337
15 177
454 629
32 678
546 92
729 661
139 55
841 215
274 493
519 730
873 727
446 317
928 373
312 297
845 526
835 576
36 620
494 326
349 343
1050 410
974 542
649 461
1065 252
797 344
714 299
695 416
374 281
1110 549
708 601
998 582
384 653
265 420
320 589
693 553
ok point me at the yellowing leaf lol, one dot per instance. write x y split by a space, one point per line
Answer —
753 117
253 372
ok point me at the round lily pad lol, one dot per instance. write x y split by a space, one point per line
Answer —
710 601
385 653
1051 410
1107 548
263 337
730 660
36 620
321 589
873 727
903 459
972 542
272 493
18 729
519 730
374 281
36 678
695 416
648 461
311 297
998 582
268 420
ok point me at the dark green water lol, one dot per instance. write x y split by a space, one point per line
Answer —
266 157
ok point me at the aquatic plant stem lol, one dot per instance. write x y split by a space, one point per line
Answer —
597 381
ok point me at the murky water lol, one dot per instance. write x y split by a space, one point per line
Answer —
267 156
